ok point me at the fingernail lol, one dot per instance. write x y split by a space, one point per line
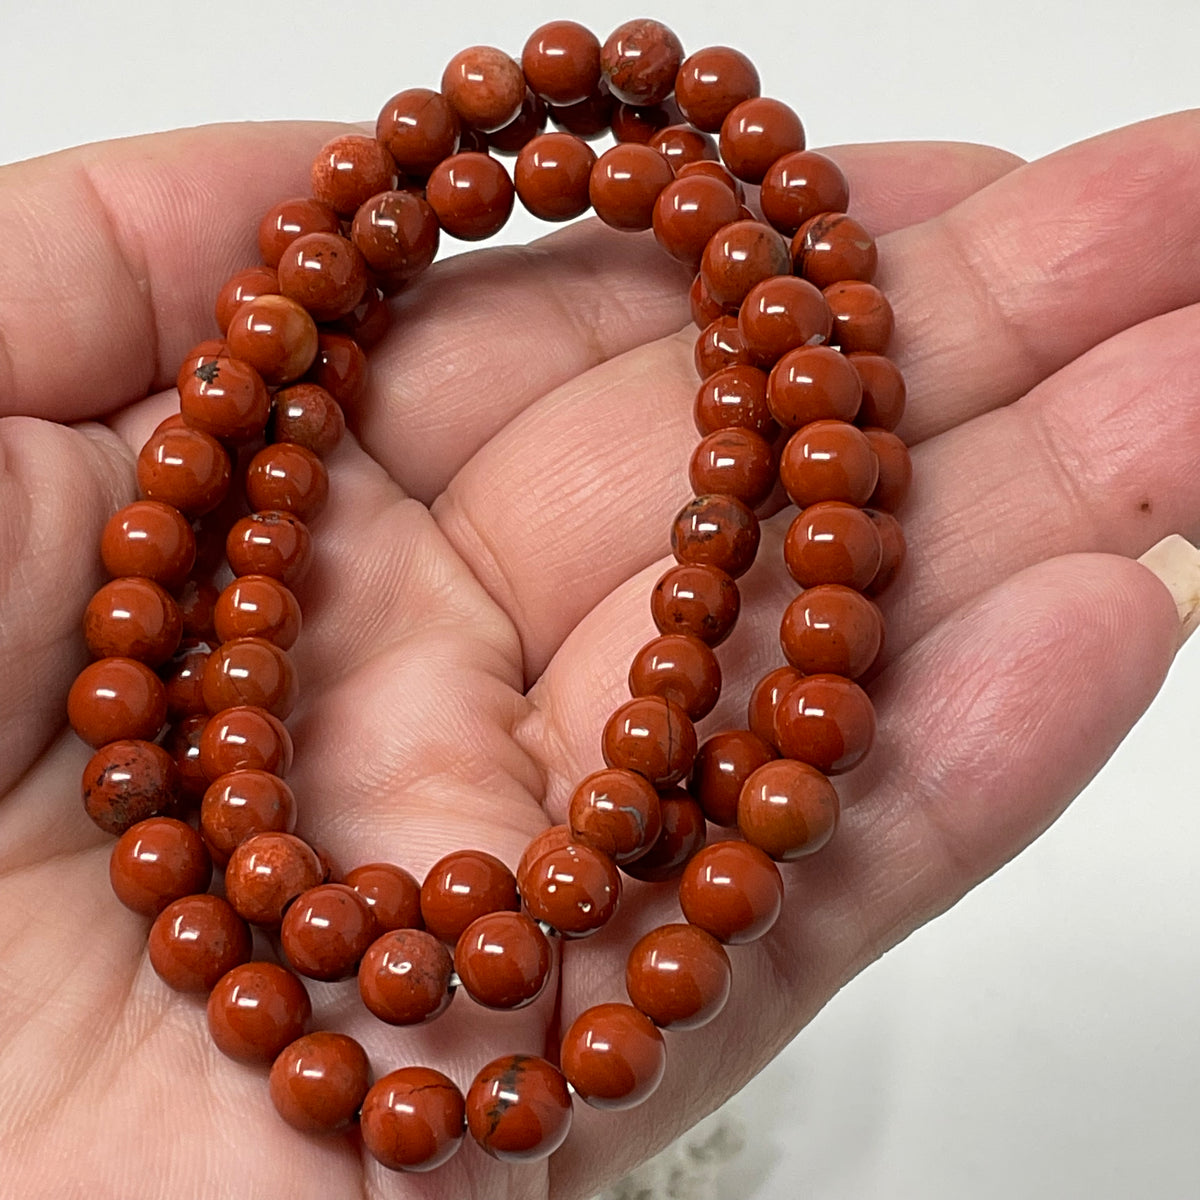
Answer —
1177 563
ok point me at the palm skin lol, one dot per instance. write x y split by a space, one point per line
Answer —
480 584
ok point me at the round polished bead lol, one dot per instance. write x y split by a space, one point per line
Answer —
241 803
701 305
250 671
463 886
764 700
275 336
197 601
522 129
289 220
149 539
862 317
800 185
574 889
652 736
340 367
734 398
349 170
552 838
723 763
681 145
639 123
114 699
679 976
308 416
127 781
616 812
369 322
697 600
678 667
813 383
391 893
733 891
226 397
184 468
255 1010
720 345
640 60
831 247
895 469
196 940
561 62
325 273
891 538
683 833
271 543
688 213
787 809
182 743
828 460
712 82
739 255
258 606
503 960
733 462
156 862
245 738
716 531
319 1081
613 1056
551 176
756 133
266 873
589 118
781 314
133 618
288 478
404 977
484 86
204 352
826 721
413 1119
397 233
240 288
625 183
833 542
519 1108
326 931
713 170
418 128
471 194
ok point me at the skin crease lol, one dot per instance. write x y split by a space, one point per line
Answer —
471 610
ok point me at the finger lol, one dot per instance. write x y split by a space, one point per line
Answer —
988 727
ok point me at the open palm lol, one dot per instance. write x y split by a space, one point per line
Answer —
480 584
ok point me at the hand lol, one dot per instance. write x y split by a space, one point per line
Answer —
481 582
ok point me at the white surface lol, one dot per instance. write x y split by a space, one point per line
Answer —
1041 1040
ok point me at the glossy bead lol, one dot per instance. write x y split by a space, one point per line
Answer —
551 176
463 886
716 531
613 1056
226 397
391 893
255 1010
831 247
326 931
269 543
652 736
639 123
764 700
713 170
324 273
289 220
289 478
720 345
826 721
711 83
349 170
340 368
813 383
397 233
308 416
787 809
367 324
241 287
275 336
182 743
114 699
203 352
781 314
891 538
258 606
319 1081
678 667
862 317
733 891
625 184
734 398
615 812
895 469
484 86
575 889
833 542
519 1109
197 602
404 977
250 671
688 213
244 737
755 134
132 618
503 960
149 539
419 128
681 145
697 600
701 305
471 194
800 185
739 255
266 873
241 803
157 861
196 940
552 838
640 60
184 468
679 976
723 763
733 462
828 460
522 129
683 833
413 1119
589 118
561 62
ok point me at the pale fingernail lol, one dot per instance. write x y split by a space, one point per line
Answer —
1177 563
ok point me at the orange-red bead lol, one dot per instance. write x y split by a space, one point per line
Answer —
826 721
150 539
115 699
326 931
680 668
391 893
652 736
733 891
616 812
226 397
241 803
419 128
463 886
404 977
471 194
679 976
127 781
132 618
613 1056
833 542
561 62
274 336
698 600
245 737
250 670
266 873
574 889
787 809
319 1081
283 477
711 83
755 134
682 834
640 60
519 1108
413 1119
258 606
723 763
503 960
255 1010
831 629
625 184
196 940
156 862
828 460
349 170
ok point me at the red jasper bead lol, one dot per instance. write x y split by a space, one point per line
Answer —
266 873
739 255
764 700
503 960
716 531
735 397
522 129
156 862
639 123
419 128
551 176
652 736
484 87
679 976
884 393
826 721
287 478
813 383
250 671
255 1010
258 606
404 977
182 744
683 833
755 134
196 940
712 82
241 803
828 460
891 538
862 317
800 185
787 809
275 336
831 629
326 931
687 215
615 812
325 273
681 145
589 118
308 416
625 184
340 367
197 601
720 345
733 891
289 220
391 893
831 247
150 539
115 699
271 543
833 542
519 1108
319 1081
184 468
471 194
349 170
697 600
613 1056
781 314
895 469
701 305
552 838
132 618
561 62
640 60
183 677
245 285
398 234
226 397
575 889
203 352
713 170
723 763
733 462
245 737
413 1119
678 667
127 781
463 886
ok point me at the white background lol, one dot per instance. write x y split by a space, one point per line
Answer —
1042 1040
